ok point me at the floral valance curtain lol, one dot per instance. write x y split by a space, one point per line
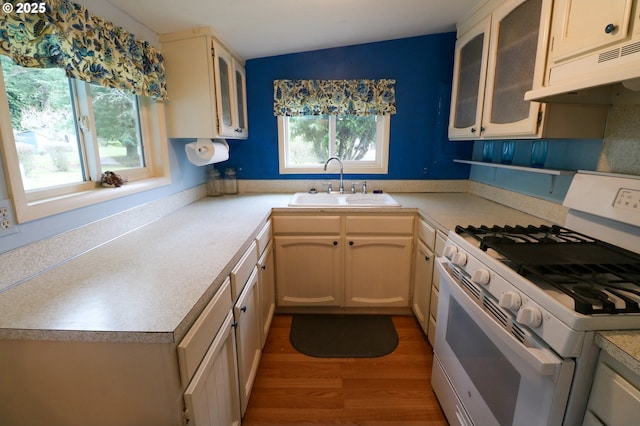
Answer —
334 97
64 34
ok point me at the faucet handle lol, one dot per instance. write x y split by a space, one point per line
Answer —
328 185
364 186
353 186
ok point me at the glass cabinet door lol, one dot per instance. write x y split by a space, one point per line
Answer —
224 75
513 50
231 96
469 74
241 128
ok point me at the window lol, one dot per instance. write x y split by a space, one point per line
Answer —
65 133
307 141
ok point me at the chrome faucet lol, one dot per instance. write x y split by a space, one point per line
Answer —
341 171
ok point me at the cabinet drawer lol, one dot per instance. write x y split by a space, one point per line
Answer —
379 225
426 233
241 273
306 224
263 237
195 343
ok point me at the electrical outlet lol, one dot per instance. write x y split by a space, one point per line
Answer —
7 223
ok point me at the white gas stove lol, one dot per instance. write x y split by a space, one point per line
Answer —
545 291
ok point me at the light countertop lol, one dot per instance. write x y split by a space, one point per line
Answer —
150 284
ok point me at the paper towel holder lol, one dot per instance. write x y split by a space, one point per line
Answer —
207 151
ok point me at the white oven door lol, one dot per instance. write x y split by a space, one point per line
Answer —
497 378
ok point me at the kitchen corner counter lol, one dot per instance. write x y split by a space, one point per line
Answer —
150 284
622 345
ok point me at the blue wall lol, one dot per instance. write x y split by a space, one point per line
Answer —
422 67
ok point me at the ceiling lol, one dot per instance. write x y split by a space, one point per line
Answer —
259 28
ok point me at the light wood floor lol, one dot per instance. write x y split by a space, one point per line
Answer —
295 389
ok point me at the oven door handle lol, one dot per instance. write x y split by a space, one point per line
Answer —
541 360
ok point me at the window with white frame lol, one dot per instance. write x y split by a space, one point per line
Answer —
65 133
307 141
319 119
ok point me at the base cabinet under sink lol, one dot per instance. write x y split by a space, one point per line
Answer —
343 260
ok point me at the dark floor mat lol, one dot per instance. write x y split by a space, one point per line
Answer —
343 336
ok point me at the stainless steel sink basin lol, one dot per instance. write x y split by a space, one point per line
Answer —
335 199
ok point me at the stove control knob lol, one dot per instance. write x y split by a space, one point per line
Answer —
530 316
510 300
481 276
459 259
449 251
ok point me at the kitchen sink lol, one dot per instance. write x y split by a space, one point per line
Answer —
335 199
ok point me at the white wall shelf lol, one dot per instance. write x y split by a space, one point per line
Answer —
553 173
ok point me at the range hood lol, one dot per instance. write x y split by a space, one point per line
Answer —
597 78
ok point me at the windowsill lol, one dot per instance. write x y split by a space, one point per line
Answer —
47 207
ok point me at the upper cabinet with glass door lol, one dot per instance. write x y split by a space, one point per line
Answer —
206 85
232 97
500 55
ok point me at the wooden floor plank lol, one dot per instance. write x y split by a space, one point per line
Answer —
296 389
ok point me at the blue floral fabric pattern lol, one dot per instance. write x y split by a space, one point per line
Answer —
88 47
334 97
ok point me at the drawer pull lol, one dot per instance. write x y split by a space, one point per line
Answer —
609 28
243 309
335 243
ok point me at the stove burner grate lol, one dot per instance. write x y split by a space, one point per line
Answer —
599 277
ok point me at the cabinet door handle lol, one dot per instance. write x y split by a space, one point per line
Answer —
235 324
610 28
243 309
335 243
350 243
263 267
427 258
473 130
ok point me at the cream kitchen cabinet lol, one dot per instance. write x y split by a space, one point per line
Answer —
343 260
441 239
308 256
580 26
212 397
378 271
615 395
246 311
378 259
423 274
87 382
593 46
266 280
206 85
232 96
500 54
309 270
248 337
